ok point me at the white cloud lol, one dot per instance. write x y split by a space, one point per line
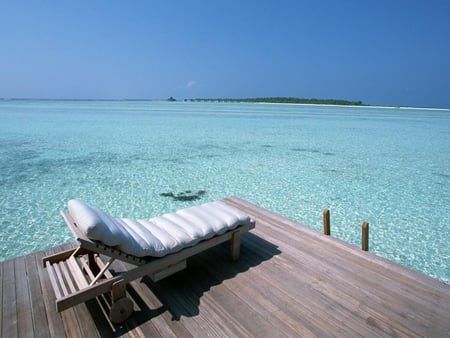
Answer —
191 84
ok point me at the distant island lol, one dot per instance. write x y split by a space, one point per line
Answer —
292 100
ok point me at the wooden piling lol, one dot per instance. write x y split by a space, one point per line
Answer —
326 222
365 236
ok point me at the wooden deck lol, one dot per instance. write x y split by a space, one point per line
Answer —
289 281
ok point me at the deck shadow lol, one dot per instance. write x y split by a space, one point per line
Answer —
98 309
181 292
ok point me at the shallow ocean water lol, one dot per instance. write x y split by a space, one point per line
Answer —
387 166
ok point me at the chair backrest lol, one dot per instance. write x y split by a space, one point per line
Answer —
97 247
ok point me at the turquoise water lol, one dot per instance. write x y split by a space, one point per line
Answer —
390 167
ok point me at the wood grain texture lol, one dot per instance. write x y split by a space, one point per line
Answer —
289 281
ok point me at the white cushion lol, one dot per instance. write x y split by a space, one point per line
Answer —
161 235
96 224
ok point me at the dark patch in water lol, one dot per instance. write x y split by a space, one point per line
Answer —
139 157
266 146
442 175
187 195
173 160
312 151
210 156
305 150
330 170
208 147
28 165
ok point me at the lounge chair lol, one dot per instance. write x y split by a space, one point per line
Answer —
158 247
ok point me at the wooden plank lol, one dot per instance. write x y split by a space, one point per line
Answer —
24 316
78 276
301 287
54 320
264 299
151 316
70 323
60 278
131 327
58 256
151 309
277 309
379 262
178 297
54 280
134 327
352 290
101 265
408 288
40 324
87 326
166 272
213 317
87 270
289 280
346 257
353 271
85 294
76 321
99 309
284 301
225 303
9 307
67 276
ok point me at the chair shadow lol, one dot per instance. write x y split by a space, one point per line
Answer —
180 293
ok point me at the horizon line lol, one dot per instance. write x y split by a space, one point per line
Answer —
364 105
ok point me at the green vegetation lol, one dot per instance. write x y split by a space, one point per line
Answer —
292 100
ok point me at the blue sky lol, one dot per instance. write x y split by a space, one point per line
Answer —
391 52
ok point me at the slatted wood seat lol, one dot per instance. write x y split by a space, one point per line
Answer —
80 274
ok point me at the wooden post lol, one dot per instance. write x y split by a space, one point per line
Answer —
326 222
118 290
365 236
235 245
121 305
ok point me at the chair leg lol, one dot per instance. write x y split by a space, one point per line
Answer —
122 306
235 245
119 290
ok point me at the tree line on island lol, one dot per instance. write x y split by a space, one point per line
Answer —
292 100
